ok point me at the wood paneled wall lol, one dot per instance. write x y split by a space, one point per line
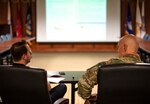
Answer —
3 12
69 47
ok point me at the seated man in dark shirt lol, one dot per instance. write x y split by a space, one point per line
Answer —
22 54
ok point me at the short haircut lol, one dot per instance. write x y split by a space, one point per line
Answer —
18 49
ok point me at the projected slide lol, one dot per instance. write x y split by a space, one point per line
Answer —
75 20
78 20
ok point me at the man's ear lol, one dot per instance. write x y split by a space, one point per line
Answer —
24 56
125 47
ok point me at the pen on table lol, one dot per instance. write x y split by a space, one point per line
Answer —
73 76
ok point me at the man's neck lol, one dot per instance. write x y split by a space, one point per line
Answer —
20 62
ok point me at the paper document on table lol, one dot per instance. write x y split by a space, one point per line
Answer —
51 73
54 76
55 79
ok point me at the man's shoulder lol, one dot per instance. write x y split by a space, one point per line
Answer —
114 60
125 59
19 65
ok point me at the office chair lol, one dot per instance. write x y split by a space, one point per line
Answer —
25 86
124 84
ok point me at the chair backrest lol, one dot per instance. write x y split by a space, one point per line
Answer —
124 84
23 85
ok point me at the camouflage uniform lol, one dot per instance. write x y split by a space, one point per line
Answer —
87 82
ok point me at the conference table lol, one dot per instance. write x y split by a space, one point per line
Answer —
70 77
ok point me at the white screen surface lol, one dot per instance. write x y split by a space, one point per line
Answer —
78 20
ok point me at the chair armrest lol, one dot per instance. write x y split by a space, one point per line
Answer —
62 101
0 100
91 100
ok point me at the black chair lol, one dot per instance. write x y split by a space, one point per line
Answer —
144 55
25 86
124 84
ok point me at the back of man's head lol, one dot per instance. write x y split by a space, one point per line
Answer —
18 49
129 44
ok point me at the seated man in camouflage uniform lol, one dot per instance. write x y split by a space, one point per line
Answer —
127 53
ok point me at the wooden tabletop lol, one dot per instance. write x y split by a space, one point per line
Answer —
5 46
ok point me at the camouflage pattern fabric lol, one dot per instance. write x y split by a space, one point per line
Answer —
89 79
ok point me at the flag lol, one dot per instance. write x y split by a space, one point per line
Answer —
9 14
143 31
28 25
18 33
129 21
144 35
9 36
138 20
